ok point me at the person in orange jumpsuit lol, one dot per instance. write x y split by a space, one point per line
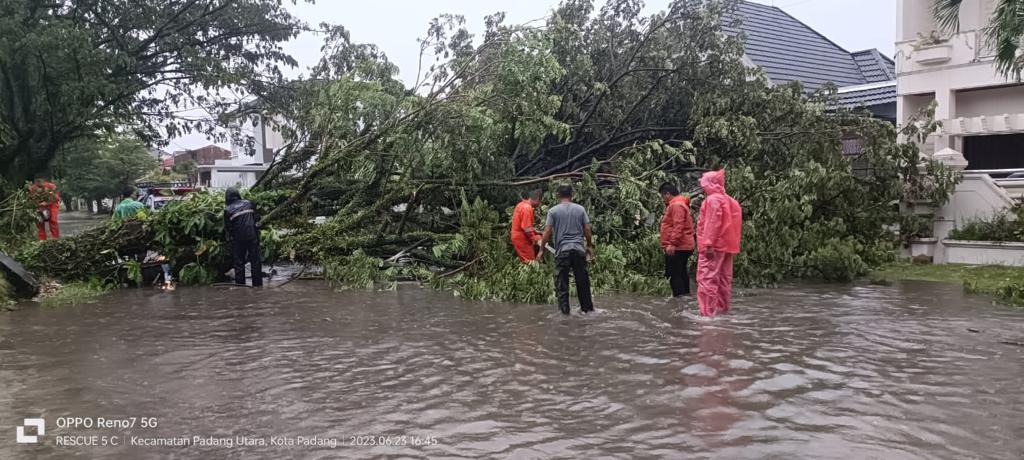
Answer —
44 194
718 241
524 237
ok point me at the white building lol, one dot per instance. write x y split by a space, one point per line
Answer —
982 113
247 162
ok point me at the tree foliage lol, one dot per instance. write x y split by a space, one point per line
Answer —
70 68
612 101
419 183
96 169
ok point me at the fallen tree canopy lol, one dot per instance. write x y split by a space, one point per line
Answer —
418 183
606 99
188 233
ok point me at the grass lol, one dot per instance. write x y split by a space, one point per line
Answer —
73 295
1005 283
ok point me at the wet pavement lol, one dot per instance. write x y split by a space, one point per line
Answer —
913 371
75 222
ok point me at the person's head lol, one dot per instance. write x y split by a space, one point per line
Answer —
128 192
534 197
231 195
713 182
565 192
668 192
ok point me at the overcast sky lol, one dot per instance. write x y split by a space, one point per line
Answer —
394 25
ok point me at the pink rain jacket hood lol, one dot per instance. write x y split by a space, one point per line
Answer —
721 218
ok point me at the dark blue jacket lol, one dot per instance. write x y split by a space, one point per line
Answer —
240 217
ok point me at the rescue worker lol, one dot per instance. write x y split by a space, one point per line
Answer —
676 238
568 225
718 242
44 194
240 228
525 238
128 207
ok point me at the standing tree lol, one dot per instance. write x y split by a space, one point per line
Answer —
71 68
1006 33
100 169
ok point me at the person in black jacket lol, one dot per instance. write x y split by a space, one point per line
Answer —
240 228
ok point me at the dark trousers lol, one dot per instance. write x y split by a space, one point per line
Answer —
677 272
575 261
247 251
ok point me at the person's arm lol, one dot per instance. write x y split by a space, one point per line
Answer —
588 234
544 240
227 225
526 224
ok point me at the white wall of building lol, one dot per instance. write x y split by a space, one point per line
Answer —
989 101
222 180
958 73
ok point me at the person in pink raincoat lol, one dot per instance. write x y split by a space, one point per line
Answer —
718 242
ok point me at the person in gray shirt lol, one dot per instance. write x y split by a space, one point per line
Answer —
568 225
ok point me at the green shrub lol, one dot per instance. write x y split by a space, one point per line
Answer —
1001 226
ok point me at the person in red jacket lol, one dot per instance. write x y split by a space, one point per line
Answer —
44 194
676 238
525 238
718 241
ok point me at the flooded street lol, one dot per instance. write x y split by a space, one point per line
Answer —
809 372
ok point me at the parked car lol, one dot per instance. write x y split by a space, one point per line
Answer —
157 197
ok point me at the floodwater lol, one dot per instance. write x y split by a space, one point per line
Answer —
914 371
75 222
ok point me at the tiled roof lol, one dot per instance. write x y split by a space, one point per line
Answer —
874 66
868 95
788 50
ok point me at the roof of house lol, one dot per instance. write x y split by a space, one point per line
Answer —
874 66
871 94
788 50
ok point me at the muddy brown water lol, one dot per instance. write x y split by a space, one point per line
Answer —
799 372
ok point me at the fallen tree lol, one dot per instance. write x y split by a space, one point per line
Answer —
418 183
612 102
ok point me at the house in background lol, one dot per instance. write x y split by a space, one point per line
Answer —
207 155
982 113
247 162
788 50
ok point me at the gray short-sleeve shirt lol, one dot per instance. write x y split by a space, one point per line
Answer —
566 222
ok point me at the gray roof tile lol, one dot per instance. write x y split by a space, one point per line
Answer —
871 95
788 50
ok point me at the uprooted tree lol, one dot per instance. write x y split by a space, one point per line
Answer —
418 182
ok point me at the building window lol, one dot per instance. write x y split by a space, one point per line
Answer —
853 149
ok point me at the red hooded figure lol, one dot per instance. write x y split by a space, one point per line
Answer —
47 200
718 240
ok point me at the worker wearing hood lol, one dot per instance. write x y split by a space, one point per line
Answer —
240 228
718 241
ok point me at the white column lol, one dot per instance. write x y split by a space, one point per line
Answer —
945 111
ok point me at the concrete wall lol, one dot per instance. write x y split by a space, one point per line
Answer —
984 253
990 101
914 17
977 196
222 180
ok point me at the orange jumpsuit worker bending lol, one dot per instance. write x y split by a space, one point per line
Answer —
44 194
524 237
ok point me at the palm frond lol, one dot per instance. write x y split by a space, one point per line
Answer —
947 15
1006 34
